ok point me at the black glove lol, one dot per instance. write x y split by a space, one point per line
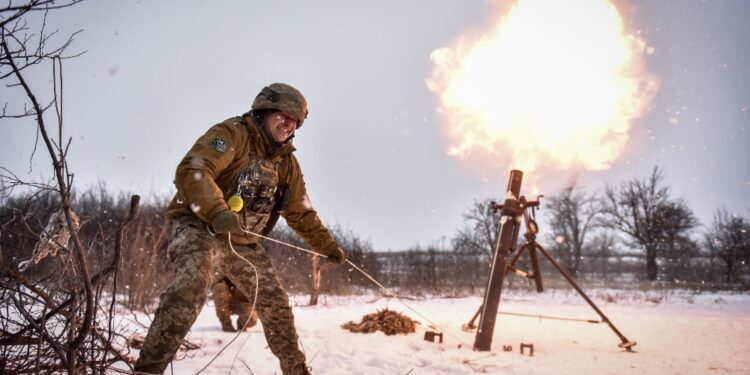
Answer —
337 256
226 221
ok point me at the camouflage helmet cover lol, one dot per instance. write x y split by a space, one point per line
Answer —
282 97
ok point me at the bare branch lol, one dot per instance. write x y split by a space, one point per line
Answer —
32 6
42 331
643 210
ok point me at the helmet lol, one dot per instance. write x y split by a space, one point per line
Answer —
282 97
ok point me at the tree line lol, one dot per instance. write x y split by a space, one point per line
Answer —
635 229
631 232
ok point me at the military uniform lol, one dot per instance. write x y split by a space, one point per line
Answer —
229 300
235 158
208 176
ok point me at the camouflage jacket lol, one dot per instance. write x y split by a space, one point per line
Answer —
208 175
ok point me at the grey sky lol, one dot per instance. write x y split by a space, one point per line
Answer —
157 75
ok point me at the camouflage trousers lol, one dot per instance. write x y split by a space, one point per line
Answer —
229 300
196 255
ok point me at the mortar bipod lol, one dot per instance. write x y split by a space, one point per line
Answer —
532 246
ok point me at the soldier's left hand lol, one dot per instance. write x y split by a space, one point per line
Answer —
337 256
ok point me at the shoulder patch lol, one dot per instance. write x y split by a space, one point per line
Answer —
220 145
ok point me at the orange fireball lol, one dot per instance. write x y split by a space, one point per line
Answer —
555 83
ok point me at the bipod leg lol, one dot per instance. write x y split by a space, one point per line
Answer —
470 325
537 270
626 344
536 273
515 259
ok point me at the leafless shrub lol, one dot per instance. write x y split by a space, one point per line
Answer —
61 323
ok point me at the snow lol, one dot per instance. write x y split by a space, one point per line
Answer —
678 332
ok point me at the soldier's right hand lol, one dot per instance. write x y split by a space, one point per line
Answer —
337 256
226 221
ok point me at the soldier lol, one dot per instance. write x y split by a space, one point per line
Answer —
229 300
235 181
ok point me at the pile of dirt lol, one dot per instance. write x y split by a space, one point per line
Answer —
388 321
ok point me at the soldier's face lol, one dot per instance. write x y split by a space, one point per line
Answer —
280 126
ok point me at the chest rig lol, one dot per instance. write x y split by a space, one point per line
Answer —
258 185
259 195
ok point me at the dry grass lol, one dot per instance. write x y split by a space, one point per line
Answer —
388 321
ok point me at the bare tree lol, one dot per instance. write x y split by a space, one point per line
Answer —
51 327
676 247
573 214
643 210
602 249
728 238
481 229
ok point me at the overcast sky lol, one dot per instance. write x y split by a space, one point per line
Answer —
156 75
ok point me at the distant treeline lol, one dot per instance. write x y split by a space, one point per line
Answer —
458 268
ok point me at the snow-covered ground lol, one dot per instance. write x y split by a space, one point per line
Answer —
678 332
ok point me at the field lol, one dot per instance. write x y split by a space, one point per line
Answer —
678 332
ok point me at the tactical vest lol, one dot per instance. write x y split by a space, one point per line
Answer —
262 192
